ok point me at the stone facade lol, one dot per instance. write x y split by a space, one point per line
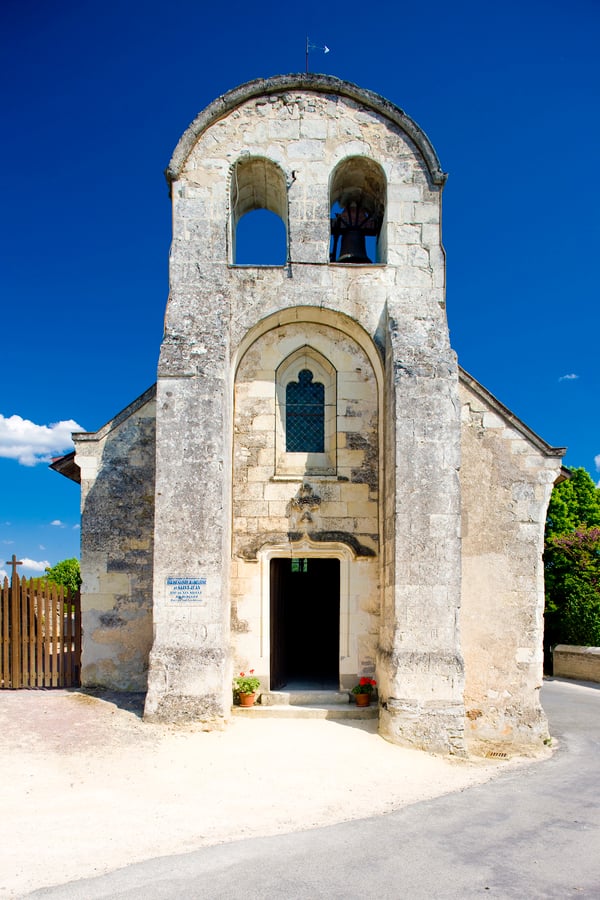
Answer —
117 523
507 476
381 508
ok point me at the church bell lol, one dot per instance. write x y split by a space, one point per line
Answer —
351 227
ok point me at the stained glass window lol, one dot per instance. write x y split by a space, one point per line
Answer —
305 415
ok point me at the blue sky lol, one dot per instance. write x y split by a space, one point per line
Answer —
96 97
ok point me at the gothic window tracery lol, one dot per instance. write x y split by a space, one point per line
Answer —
306 419
305 415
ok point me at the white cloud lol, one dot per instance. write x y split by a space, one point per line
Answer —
3 574
58 523
42 547
571 377
8 542
76 527
31 444
34 565
597 461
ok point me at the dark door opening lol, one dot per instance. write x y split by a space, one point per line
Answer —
305 629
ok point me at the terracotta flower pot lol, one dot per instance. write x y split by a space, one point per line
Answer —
363 699
247 699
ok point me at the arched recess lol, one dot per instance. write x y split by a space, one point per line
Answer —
254 399
317 315
258 185
316 457
357 202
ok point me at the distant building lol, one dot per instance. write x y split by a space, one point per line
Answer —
313 488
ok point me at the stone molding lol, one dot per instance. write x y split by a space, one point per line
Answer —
325 84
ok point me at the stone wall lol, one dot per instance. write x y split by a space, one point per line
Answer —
507 476
427 491
307 127
117 524
570 661
420 657
280 499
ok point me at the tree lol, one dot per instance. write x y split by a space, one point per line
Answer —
66 573
573 588
574 502
572 563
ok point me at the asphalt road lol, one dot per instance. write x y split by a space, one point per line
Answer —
531 833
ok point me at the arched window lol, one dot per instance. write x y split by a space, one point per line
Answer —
357 203
305 415
258 213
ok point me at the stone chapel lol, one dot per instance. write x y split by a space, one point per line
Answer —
313 488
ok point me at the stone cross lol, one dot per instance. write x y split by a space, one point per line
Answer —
14 562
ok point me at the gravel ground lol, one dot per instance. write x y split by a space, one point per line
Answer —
89 787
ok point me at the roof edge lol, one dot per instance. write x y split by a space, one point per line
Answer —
510 417
66 465
326 84
83 436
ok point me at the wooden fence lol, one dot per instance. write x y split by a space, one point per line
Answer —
40 631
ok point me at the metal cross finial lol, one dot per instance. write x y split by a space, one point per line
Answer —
310 46
14 562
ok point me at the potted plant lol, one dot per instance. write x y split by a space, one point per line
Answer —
245 686
363 690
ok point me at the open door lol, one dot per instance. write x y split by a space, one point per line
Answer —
305 616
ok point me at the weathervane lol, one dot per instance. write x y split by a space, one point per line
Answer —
310 46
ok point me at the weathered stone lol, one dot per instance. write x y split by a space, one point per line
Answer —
420 508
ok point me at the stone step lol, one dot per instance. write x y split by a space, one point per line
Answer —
293 711
304 698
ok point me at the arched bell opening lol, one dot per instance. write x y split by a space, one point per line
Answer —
259 213
357 204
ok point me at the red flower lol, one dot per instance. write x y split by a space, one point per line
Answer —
242 674
251 672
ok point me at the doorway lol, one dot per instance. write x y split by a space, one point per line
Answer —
305 617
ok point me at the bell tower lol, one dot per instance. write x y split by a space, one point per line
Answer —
308 411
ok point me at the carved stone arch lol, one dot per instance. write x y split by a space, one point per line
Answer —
290 370
324 84
313 315
256 183
357 203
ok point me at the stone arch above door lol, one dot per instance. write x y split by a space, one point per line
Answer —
331 513
266 479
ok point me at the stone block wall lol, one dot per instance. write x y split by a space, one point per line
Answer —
117 531
570 661
420 655
307 127
275 509
507 476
